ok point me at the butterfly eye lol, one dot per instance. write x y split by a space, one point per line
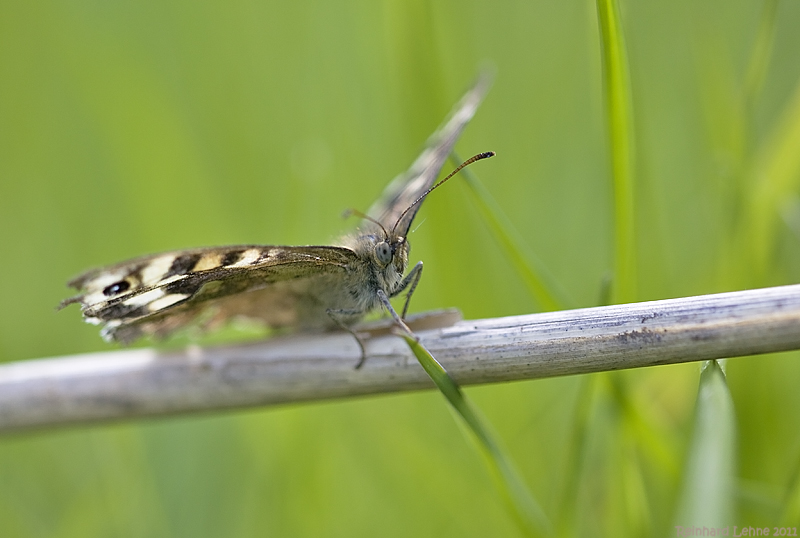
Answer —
383 252
115 288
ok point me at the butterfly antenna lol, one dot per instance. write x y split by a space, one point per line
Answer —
478 157
357 213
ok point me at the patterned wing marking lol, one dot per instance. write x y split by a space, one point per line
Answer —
140 296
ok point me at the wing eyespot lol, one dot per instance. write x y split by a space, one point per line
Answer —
116 288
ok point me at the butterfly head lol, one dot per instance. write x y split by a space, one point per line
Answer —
385 248
391 250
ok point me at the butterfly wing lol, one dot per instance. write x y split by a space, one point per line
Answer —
155 295
409 186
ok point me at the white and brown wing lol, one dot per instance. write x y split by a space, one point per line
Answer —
158 294
407 187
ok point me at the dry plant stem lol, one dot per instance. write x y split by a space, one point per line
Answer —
127 384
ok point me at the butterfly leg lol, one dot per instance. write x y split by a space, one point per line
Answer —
410 281
335 314
392 312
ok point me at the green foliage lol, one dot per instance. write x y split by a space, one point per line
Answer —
707 496
129 128
619 111
523 507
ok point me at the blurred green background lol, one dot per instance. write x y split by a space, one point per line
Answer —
134 127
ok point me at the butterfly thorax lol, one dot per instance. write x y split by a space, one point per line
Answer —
378 263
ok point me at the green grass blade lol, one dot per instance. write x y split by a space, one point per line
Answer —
539 281
762 51
619 112
576 456
708 489
776 178
791 502
527 512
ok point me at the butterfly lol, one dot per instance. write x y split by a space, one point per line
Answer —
308 288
